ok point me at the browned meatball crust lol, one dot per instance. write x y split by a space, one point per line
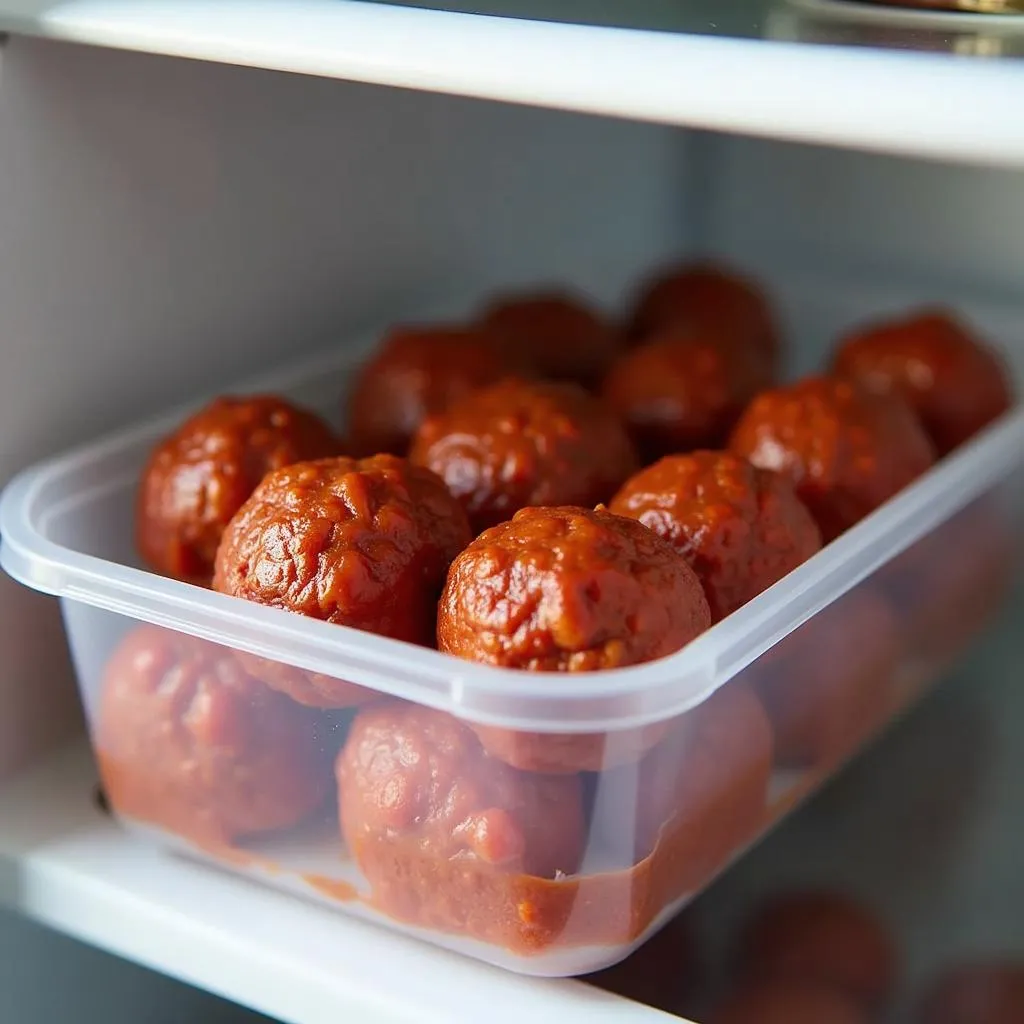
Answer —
683 391
740 528
788 1002
975 993
356 542
415 372
709 300
555 334
197 478
448 837
518 444
955 383
188 741
846 449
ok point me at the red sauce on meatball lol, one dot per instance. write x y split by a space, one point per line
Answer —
955 383
990 993
517 444
702 792
683 390
741 528
825 938
197 478
568 590
415 372
188 741
789 1002
711 301
555 334
846 449
448 837
356 542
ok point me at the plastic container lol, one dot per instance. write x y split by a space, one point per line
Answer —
699 752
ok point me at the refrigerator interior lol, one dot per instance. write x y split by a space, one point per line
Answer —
166 224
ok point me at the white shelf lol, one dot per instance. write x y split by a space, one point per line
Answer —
904 102
66 864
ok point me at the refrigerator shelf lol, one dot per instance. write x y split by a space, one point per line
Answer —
874 97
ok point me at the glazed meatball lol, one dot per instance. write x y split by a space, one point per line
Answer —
415 372
949 586
697 797
829 684
788 1002
846 449
188 741
740 528
518 444
711 301
556 335
196 479
955 383
821 937
683 391
569 590
448 837
975 994
355 542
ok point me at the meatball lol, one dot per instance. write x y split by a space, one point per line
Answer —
846 449
824 938
418 371
196 479
517 444
450 838
568 590
662 973
955 383
188 741
356 542
699 795
976 994
711 301
740 528
555 334
683 391
788 1002
829 684
949 586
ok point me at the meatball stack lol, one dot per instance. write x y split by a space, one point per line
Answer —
546 491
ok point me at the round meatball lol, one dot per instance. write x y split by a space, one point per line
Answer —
741 528
196 479
188 741
711 301
824 938
949 585
846 449
518 444
556 335
788 1002
569 590
448 837
356 542
415 372
975 994
683 391
955 383
699 795
829 684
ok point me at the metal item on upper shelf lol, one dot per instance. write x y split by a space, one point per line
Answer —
935 26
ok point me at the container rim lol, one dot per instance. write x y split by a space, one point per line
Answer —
607 700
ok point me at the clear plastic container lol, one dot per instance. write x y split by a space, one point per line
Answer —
687 760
